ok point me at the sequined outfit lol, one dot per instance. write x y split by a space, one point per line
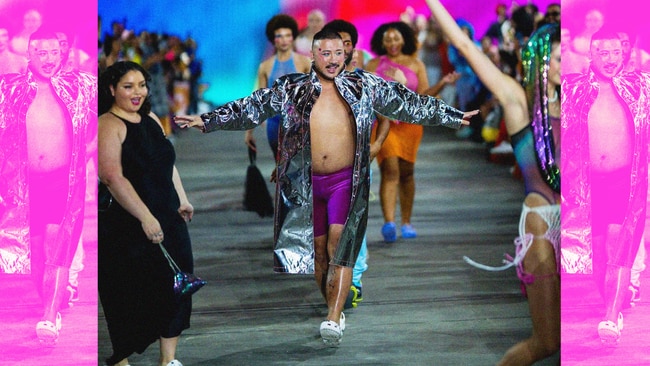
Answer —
580 91
293 96
77 92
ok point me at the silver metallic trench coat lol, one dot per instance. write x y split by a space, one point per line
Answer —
293 97
579 92
78 93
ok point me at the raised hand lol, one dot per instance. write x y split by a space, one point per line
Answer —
189 121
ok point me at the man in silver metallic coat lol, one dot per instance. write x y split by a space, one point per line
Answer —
605 134
327 116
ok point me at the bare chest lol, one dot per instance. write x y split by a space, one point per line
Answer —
610 133
333 133
48 132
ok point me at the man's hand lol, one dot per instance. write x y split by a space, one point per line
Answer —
468 115
189 121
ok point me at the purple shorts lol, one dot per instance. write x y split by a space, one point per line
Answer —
332 194
48 197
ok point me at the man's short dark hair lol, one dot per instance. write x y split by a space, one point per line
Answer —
340 25
43 33
281 21
326 34
604 33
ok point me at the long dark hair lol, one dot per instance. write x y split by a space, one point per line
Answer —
111 77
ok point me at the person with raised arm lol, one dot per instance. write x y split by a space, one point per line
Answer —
532 117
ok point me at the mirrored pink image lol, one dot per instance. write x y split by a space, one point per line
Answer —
48 210
605 129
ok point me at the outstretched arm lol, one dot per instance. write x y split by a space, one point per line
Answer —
506 89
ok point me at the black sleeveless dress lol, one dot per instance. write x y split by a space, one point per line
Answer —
135 280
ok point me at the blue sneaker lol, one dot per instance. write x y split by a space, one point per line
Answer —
354 297
408 232
389 231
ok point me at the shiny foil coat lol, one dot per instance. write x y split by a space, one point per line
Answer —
293 96
579 92
78 93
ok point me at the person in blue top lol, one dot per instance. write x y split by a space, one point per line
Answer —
281 31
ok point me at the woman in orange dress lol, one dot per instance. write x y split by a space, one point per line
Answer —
396 46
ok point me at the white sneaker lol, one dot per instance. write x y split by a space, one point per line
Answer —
174 363
503 148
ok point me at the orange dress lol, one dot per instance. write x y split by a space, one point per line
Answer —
403 138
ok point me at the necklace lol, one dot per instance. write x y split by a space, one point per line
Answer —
554 99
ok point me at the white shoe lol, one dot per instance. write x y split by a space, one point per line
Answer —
48 332
174 363
331 333
503 148
610 332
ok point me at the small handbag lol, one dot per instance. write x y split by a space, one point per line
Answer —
256 195
185 284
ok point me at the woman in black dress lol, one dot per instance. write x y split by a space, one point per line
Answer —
150 208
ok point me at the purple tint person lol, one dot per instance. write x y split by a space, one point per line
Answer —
46 139
605 132
532 118
10 62
32 20
327 118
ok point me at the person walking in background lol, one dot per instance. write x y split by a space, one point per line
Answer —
395 45
532 117
315 22
580 42
10 62
150 209
605 132
46 140
323 164
468 86
281 31
32 20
